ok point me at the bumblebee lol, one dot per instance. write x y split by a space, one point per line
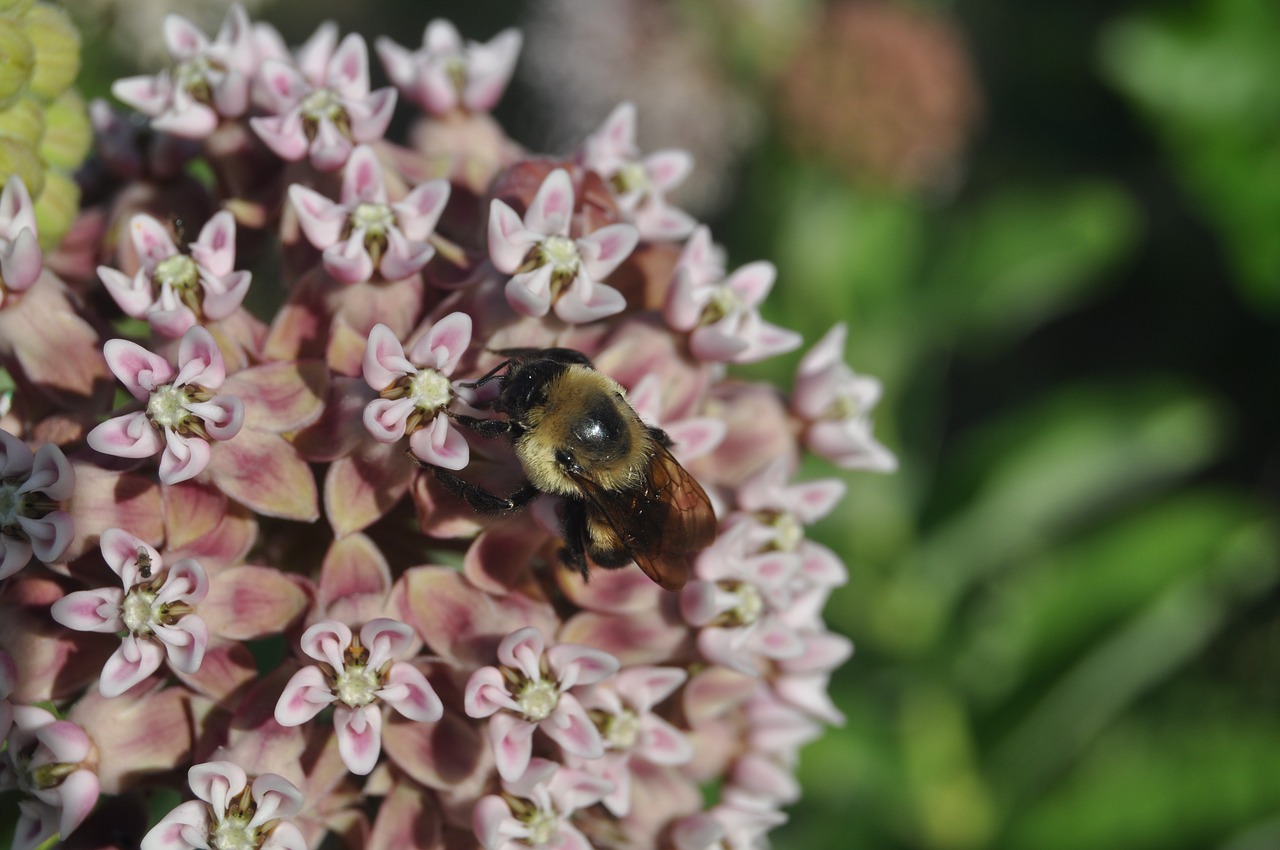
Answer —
626 497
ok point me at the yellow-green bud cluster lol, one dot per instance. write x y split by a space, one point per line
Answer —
44 126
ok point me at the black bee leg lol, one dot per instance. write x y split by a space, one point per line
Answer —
574 528
661 436
480 499
484 427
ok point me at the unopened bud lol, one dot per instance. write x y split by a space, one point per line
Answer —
18 157
17 59
56 209
57 44
24 121
68 134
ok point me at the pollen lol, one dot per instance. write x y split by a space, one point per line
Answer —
631 178
178 272
538 699
373 219
138 611
168 407
561 253
235 833
622 730
749 607
430 390
357 685
723 303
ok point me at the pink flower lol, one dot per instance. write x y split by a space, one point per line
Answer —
445 74
530 691
209 80
176 291
20 256
323 108
231 812
536 809
721 313
551 268
414 390
364 233
836 406
50 760
623 712
153 610
31 488
182 415
640 185
354 675
739 600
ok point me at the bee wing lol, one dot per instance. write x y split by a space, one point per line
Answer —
662 525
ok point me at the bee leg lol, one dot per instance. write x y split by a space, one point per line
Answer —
661 436
483 427
480 499
574 528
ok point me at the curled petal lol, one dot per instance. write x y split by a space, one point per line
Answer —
384 359
217 782
662 743
349 261
359 736
587 301
529 293
90 610
486 693
215 250
50 535
200 360
221 301
571 728
580 665
645 687
276 797
187 582
184 457
223 416
139 370
191 816
305 696
22 263
78 794
185 642
15 553
440 444
132 662
131 435
509 240
403 257
362 182
551 209
512 740
421 208
51 474
385 638
409 692
386 418
151 240
443 346
606 248
522 650
286 137
489 70
121 550
16 457
322 220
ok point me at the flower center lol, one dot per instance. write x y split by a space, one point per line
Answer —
12 505
538 699
139 611
788 532
749 608
724 301
357 685
845 404
622 730
178 272
543 826
168 407
561 253
430 390
631 178
195 77
319 106
234 832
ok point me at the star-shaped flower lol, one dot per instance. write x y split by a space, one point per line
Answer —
231 813
20 256
446 74
31 487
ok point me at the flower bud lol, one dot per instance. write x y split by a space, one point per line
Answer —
24 121
18 157
17 59
57 48
56 209
68 134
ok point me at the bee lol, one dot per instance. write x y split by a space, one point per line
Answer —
626 497
144 563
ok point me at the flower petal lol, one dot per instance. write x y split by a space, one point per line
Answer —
359 737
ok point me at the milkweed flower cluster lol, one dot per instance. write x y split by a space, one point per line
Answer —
225 558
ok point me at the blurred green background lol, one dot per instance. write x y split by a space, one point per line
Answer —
1054 231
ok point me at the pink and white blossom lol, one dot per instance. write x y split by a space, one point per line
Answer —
357 675
153 611
173 290
548 267
322 107
20 257
536 809
447 74
32 487
51 762
639 183
835 404
622 709
366 234
739 599
721 314
529 691
182 415
231 812
414 390
209 80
